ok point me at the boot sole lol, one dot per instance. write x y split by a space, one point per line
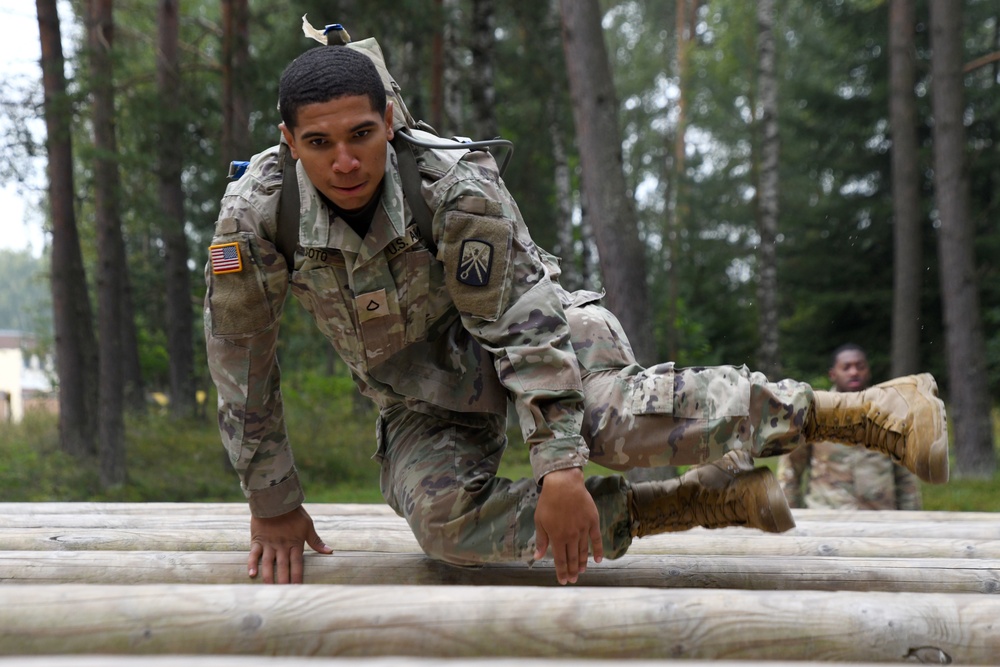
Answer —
776 517
936 471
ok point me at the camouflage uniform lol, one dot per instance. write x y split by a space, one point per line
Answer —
441 343
832 475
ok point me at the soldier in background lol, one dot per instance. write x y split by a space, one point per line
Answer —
830 475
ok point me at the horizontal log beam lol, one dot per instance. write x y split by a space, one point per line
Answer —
389 661
381 509
915 529
721 543
468 621
736 572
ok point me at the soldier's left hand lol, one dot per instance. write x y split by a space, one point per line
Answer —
566 518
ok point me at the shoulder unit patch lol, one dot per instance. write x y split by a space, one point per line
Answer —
475 263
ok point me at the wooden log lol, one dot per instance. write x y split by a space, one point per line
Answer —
764 544
198 509
197 539
972 530
917 529
891 516
723 543
392 661
381 509
736 572
468 621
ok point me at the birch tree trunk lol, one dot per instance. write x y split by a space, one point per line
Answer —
180 319
966 348
768 355
75 346
606 203
565 247
907 236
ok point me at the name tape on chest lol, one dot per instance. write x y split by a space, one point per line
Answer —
400 244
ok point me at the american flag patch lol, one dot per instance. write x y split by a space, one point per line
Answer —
225 258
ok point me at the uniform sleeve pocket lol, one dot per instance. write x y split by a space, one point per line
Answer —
237 297
653 391
717 392
476 253
417 298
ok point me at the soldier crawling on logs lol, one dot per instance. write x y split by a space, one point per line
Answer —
441 328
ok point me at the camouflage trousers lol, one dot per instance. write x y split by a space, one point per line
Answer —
441 474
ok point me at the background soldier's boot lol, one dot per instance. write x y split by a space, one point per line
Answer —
903 418
727 492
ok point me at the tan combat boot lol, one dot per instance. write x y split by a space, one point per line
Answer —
902 418
727 492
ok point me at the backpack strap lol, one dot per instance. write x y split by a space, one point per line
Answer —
286 237
409 175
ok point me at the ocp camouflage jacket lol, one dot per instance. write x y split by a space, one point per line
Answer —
461 332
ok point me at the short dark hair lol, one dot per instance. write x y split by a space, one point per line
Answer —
326 73
846 347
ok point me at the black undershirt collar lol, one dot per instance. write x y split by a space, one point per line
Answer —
361 220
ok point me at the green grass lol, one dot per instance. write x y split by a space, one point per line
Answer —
334 435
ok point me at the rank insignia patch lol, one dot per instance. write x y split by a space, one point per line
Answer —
475 263
225 258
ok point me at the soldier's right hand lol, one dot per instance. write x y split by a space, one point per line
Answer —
277 545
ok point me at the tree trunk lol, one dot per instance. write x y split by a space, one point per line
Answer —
676 169
75 347
437 69
482 89
966 348
235 56
453 122
180 320
110 248
134 390
606 203
907 233
562 178
563 185
769 352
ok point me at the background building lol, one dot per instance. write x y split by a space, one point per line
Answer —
25 377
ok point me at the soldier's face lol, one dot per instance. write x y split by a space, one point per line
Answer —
342 146
850 372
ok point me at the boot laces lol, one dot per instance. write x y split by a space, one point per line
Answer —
869 433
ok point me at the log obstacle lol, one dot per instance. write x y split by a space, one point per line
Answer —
89 580
661 571
393 661
461 621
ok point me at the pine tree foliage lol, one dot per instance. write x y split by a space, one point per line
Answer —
835 247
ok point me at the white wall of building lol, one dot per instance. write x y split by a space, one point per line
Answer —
11 393
25 380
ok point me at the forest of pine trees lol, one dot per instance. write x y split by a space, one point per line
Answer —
751 183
